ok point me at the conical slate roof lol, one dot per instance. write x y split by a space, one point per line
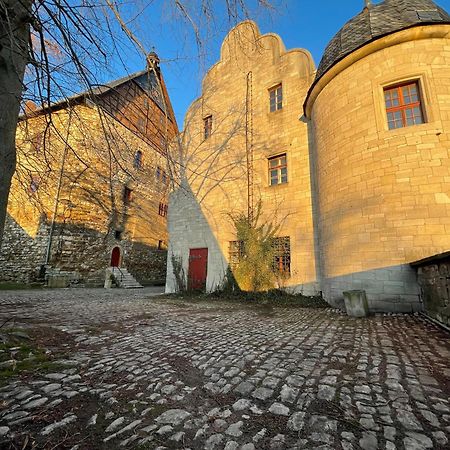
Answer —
378 20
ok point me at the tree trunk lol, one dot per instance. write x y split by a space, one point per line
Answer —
14 36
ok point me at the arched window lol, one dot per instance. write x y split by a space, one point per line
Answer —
138 160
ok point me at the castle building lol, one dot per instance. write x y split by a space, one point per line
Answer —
91 185
352 159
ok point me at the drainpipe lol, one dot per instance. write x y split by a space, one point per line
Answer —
58 191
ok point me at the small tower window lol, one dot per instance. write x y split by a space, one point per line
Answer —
276 98
207 124
403 105
127 194
137 163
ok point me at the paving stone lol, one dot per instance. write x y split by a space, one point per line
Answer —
35 403
262 393
115 424
369 441
297 421
4 431
279 409
173 417
235 429
242 404
213 441
52 427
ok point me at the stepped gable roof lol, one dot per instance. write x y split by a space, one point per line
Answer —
377 20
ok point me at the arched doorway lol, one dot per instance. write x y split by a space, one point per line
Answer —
115 257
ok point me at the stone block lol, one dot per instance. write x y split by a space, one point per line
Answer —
356 303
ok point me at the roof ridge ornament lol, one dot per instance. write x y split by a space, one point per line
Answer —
368 3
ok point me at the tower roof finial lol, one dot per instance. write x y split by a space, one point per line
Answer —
368 3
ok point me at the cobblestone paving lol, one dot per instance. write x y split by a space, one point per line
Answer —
149 373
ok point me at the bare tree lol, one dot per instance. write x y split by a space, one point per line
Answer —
49 50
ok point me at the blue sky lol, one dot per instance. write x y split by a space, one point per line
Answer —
308 24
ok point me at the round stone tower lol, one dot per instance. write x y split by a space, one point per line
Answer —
379 115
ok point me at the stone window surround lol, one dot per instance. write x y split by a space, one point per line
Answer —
429 104
274 89
275 156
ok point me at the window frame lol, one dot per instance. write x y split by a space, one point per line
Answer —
277 93
278 168
402 107
207 126
127 195
137 161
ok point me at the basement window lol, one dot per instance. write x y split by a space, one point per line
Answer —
403 105
276 98
278 170
207 125
281 263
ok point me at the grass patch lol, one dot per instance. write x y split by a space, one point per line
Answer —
273 298
10 286
18 358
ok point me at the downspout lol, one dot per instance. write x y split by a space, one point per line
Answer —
58 191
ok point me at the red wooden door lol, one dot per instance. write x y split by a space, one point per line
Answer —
115 257
198 264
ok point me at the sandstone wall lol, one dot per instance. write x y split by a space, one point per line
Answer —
383 197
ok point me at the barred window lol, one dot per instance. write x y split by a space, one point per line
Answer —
281 262
282 255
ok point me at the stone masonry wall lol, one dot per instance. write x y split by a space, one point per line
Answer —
382 195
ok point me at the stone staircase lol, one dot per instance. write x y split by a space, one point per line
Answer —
124 278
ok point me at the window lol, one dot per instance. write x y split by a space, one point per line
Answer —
127 195
141 124
278 170
160 245
162 210
281 263
36 141
34 184
161 175
403 105
207 123
281 255
276 98
118 234
137 163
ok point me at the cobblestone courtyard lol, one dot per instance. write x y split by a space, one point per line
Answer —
138 371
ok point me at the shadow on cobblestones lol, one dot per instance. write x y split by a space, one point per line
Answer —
139 371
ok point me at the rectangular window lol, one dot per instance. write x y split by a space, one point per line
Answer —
127 195
281 255
403 105
278 170
281 262
207 124
276 98
162 210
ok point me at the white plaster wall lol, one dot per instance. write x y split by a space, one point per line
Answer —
188 228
